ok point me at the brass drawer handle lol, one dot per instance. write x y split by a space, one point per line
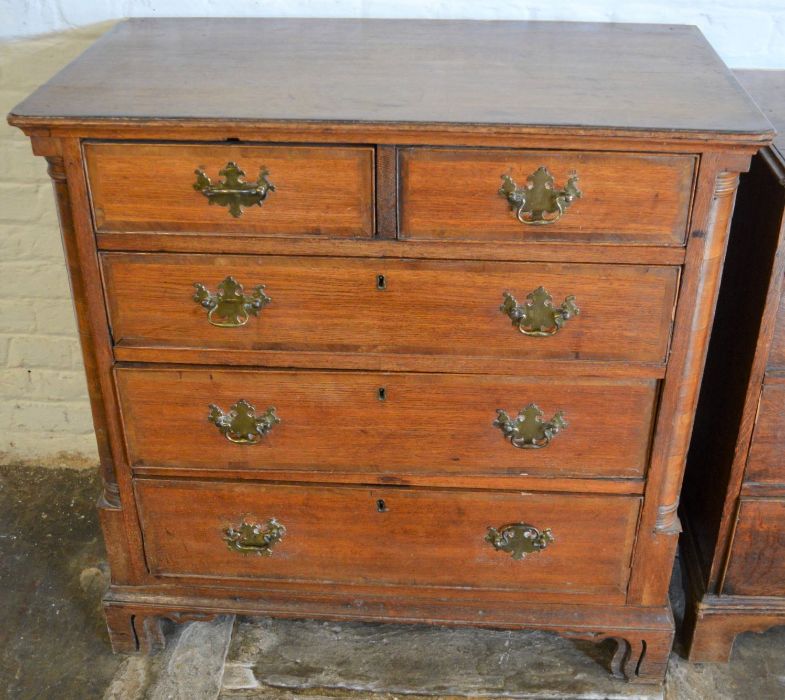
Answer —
539 197
528 430
241 425
251 538
519 539
230 306
538 316
233 191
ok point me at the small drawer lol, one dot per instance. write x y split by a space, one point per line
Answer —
766 457
385 424
757 557
394 307
318 190
573 545
451 194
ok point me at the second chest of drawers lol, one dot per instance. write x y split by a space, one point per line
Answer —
734 495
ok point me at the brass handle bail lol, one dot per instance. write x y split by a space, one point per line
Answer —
519 539
241 425
252 538
230 306
537 316
528 430
233 191
538 202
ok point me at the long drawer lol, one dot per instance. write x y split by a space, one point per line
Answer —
454 194
574 545
385 423
372 306
316 190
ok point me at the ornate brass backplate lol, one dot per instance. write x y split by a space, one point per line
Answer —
528 430
519 539
538 202
252 538
538 316
233 191
241 425
230 306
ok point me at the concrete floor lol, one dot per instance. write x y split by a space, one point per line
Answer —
53 642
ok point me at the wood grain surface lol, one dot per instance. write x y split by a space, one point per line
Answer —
766 458
553 74
767 88
421 537
149 187
453 194
447 308
776 358
756 565
427 423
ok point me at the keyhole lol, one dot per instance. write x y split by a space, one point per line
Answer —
381 506
381 392
381 282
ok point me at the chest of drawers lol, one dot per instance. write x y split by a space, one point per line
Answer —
395 320
734 496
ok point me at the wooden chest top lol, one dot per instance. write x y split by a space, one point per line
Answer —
658 78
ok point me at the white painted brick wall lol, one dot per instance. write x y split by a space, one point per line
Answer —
44 414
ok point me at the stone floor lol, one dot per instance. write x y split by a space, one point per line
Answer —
53 642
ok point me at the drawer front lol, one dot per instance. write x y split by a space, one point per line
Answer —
424 308
420 423
777 352
757 558
325 191
625 198
766 458
401 537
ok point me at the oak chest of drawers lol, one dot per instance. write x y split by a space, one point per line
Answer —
734 497
395 320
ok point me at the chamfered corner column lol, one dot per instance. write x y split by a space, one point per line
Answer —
110 495
110 510
660 525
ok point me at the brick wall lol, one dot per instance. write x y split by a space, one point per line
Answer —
44 414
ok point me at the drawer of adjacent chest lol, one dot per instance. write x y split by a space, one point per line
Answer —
766 456
757 558
481 194
372 306
385 424
232 189
557 544
777 351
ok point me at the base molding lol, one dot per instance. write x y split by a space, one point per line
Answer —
643 636
712 623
